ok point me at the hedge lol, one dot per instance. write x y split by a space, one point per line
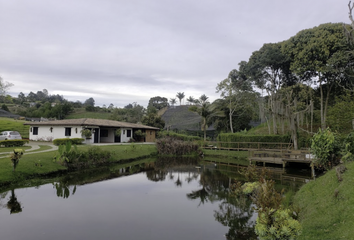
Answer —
11 143
178 136
62 141
234 140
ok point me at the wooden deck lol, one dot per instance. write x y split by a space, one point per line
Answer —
282 157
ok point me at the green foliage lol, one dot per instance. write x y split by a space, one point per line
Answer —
325 146
158 102
87 133
173 146
348 148
4 107
341 114
153 120
63 141
273 221
16 143
249 187
16 156
279 225
139 135
67 153
178 136
132 113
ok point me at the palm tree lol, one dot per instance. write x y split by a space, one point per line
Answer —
205 111
191 100
180 96
203 98
173 101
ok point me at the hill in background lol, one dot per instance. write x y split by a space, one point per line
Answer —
179 117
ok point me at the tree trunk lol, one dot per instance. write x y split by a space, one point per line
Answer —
230 117
323 124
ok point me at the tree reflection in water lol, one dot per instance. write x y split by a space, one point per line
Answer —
13 204
63 189
235 213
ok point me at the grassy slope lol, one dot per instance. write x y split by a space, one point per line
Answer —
9 124
323 214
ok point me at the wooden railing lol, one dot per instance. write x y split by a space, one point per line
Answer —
246 146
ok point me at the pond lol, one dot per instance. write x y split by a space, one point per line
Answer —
151 200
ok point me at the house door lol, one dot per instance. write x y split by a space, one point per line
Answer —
96 134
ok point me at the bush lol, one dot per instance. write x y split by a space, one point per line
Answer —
12 143
178 136
62 141
325 145
173 146
74 159
278 225
348 148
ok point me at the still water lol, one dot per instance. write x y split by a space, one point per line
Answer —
145 201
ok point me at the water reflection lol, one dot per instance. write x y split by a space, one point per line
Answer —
13 204
237 214
169 195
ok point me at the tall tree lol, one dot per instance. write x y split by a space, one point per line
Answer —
323 54
158 102
234 90
269 69
90 102
207 111
4 87
180 96
191 100
173 101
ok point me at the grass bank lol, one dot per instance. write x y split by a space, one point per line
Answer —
327 206
41 163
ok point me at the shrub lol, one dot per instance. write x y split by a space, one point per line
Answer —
178 136
325 146
249 187
15 157
11 143
63 141
279 224
348 148
173 146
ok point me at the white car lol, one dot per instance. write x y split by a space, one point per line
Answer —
10 135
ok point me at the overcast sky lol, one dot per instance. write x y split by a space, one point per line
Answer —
124 51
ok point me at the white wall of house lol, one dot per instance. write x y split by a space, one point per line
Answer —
49 133
124 134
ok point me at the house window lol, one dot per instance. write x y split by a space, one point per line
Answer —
150 132
104 133
35 130
68 132
123 132
129 133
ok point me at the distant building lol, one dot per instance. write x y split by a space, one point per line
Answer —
103 131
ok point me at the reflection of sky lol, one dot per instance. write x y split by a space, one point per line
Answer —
129 207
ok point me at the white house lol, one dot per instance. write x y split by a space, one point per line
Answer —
103 131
